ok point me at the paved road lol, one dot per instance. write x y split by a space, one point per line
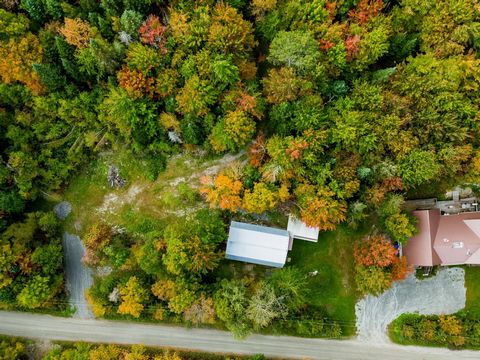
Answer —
78 276
71 329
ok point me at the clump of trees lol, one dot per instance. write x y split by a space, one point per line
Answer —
31 262
13 349
137 352
173 275
460 330
378 264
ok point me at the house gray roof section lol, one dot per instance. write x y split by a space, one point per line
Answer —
299 230
259 228
257 244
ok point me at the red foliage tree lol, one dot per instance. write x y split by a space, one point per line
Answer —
375 250
351 46
152 32
365 10
392 183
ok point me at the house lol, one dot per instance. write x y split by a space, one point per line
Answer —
444 239
299 230
258 244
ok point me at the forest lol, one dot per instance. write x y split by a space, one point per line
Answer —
339 111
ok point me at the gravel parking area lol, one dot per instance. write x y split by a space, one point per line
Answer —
444 293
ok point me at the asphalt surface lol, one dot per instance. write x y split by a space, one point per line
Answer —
73 329
78 276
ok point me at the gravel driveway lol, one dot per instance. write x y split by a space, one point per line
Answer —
442 294
78 276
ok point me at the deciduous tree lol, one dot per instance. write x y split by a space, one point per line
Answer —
77 32
223 192
374 250
133 296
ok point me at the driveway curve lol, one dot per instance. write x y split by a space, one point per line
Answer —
444 293
78 276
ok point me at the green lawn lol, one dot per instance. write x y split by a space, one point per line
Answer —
170 196
472 283
333 289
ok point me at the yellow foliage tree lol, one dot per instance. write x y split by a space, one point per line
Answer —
106 352
229 32
450 325
262 198
164 289
232 132
98 309
132 295
319 208
168 356
283 85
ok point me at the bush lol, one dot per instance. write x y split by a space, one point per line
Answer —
460 330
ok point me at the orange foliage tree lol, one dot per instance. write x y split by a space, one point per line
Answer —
400 269
257 152
135 82
77 32
375 250
223 192
16 59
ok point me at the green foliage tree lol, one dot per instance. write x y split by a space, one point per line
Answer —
12 349
231 304
194 250
38 290
295 49
372 279
264 306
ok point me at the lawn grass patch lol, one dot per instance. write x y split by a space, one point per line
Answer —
333 289
472 283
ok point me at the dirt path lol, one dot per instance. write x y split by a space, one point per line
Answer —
78 276
444 293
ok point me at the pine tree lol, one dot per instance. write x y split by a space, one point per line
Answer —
50 76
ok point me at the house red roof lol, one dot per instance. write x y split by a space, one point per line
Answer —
444 239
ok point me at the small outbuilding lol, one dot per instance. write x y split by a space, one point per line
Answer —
299 230
257 244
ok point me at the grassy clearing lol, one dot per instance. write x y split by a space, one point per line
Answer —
472 282
171 195
333 289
